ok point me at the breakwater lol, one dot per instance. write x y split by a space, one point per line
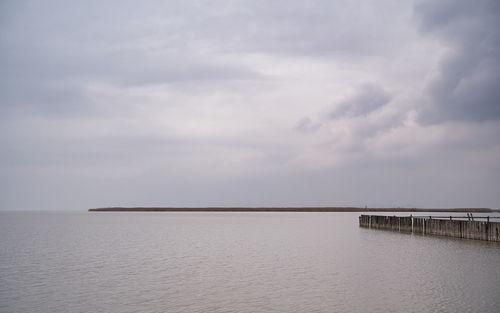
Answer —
442 226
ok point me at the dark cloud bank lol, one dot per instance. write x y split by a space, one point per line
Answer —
468 83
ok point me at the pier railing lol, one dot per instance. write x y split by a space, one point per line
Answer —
468 217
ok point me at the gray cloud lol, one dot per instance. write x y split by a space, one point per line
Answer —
468 85
306 125
320 28
368 98
47 63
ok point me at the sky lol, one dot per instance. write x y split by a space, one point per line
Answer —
249 103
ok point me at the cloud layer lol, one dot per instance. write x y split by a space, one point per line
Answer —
249 103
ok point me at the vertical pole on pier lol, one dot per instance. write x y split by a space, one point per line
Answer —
411 217
488 218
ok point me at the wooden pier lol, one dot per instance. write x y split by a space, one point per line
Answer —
469 227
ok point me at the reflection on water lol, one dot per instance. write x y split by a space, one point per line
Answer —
236 262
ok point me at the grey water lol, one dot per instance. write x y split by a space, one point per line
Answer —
236 262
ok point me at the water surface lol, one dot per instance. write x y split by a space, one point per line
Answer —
236 262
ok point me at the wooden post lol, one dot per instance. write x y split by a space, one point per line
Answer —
411 218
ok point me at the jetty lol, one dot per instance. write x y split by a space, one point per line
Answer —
468 227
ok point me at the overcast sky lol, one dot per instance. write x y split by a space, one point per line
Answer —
249 103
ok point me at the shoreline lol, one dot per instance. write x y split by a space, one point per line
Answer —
288 209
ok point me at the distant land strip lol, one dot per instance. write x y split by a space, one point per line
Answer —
286 209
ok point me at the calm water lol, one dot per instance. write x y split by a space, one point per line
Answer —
236 262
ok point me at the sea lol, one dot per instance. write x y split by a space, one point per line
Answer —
236 262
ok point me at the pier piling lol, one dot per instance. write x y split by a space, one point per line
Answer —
436 225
